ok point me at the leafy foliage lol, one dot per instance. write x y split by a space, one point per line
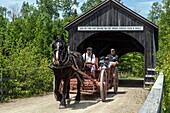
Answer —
161 13
155 12
89 4
132 63
25 47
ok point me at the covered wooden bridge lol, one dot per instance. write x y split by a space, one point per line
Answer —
113 25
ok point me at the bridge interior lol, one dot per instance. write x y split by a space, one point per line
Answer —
102 42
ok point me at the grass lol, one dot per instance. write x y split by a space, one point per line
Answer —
130 76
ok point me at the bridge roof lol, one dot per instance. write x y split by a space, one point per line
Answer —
120 7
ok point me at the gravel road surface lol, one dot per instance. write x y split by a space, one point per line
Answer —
128 100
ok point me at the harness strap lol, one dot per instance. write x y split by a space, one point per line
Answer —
91 57
61 66
66 58
74 62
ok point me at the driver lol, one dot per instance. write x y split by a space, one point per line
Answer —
89 57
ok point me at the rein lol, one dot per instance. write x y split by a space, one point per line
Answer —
66 58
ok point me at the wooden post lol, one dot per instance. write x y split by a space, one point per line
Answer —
150 72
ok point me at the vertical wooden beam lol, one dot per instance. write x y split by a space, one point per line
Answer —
153 52
145 58
70 39
149 80
150 50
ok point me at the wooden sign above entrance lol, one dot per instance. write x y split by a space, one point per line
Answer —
110 28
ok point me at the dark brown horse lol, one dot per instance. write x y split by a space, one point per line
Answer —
63 61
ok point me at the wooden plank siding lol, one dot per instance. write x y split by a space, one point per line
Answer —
103 20
112 13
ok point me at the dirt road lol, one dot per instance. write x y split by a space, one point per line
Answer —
128 100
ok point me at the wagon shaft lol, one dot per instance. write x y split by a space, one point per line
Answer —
83 74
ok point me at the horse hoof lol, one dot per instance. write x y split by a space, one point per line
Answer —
77 101
62 107
77 98
68 101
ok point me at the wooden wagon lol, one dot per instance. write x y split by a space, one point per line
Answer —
101 81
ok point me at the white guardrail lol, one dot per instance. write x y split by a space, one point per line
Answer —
153 102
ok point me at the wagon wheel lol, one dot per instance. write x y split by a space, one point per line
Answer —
103 85
115 85
115 82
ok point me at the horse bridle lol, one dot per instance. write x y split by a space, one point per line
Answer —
63 60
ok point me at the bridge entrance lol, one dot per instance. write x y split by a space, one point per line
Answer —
113 25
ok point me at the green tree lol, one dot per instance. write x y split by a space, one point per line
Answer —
133 63
3 26
69 8
27 9
89 4
50 7
25 43
13 12
155 12
163 54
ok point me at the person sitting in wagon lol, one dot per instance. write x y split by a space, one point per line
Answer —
113 58
103 63
89 59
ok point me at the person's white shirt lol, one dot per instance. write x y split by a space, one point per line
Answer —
89 58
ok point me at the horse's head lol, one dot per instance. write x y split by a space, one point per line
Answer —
59 49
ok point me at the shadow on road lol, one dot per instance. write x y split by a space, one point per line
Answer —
111 94
121 92
81 105
92 99
86 101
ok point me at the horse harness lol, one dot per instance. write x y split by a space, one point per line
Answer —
68 61
85 57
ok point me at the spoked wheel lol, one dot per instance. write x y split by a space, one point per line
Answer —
103 85
115 82
115 85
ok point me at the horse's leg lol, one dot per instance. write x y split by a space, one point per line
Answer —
78 90
64 94
56 84
68 100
